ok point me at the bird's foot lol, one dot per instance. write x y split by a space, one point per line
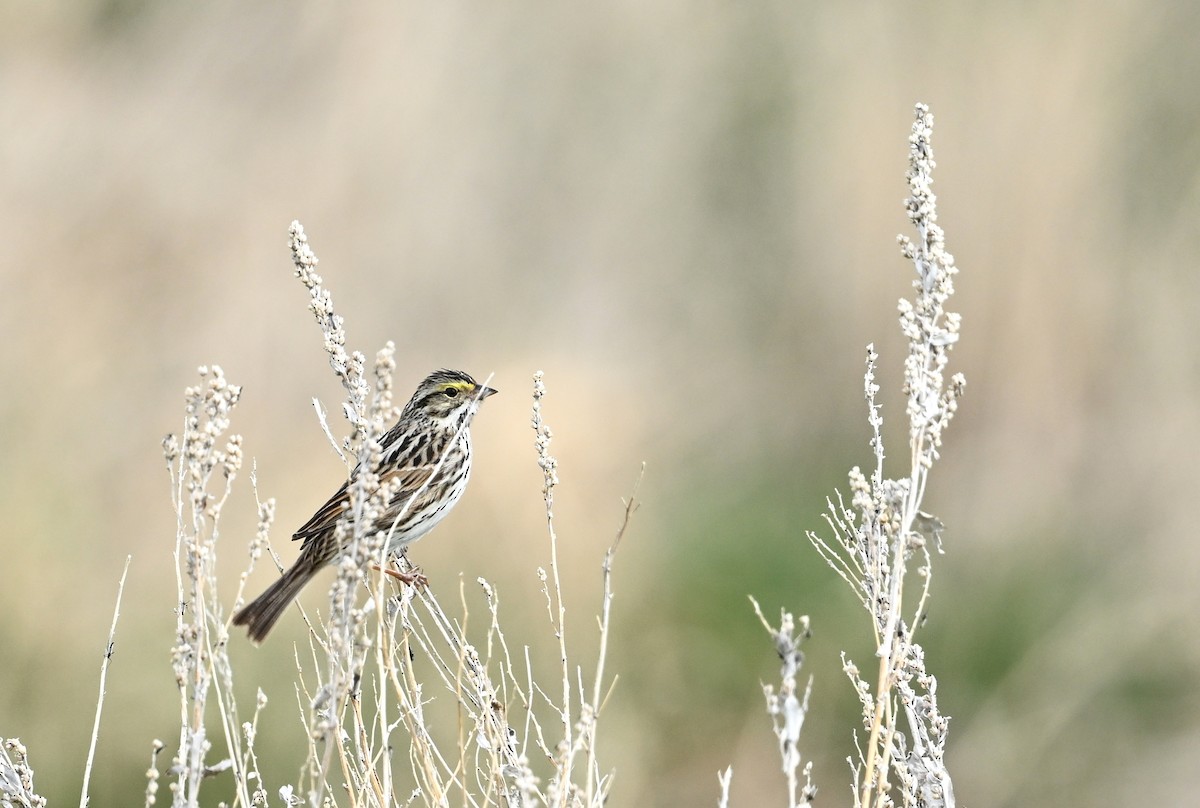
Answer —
413 578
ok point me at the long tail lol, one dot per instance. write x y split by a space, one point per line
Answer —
261 614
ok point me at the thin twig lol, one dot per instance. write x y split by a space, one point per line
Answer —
108 652
631 505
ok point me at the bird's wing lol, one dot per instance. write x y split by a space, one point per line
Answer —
326 516
407 482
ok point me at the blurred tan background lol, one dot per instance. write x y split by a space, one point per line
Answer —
684 213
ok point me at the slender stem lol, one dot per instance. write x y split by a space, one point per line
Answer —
561 630
606 608
108 652
868 787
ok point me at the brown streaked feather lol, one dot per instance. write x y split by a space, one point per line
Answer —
325 519
326 516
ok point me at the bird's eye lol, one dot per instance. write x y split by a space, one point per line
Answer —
451 392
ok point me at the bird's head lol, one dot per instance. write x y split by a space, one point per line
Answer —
447 396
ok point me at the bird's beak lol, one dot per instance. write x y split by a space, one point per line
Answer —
484 392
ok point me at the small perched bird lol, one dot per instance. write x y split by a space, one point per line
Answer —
426 456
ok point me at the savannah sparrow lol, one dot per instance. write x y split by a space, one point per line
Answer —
426 457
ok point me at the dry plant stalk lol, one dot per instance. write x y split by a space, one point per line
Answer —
202 472
877 538
16 777
108 654
787 708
